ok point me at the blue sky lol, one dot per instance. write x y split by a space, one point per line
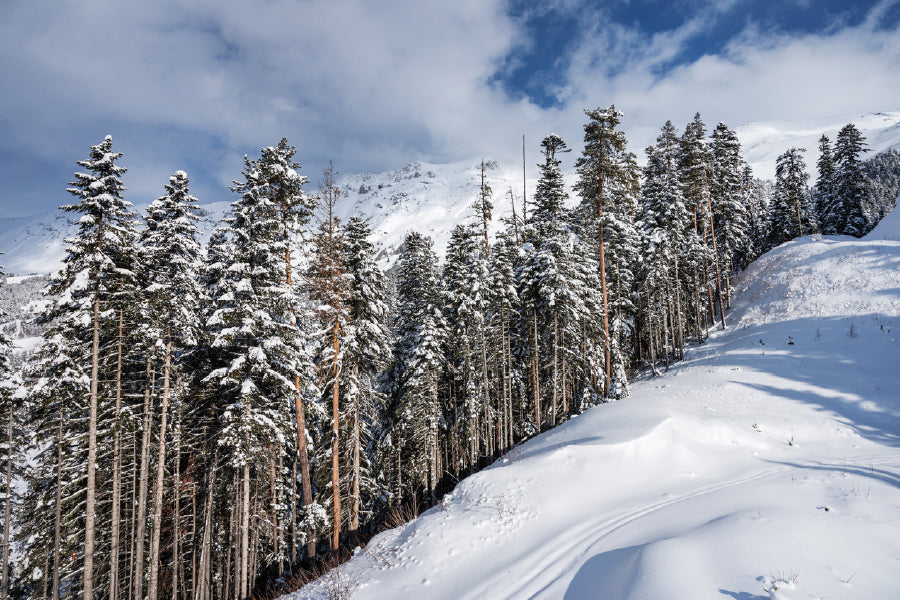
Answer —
373 85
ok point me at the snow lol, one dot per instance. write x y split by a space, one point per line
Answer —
766 465
762 143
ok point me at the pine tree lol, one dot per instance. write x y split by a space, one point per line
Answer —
330 289
668 233
824 192
419 328
729 209
258 351
171 257
789 211
505 309
367 348
695 168
608 183
78 380
53 523
11 405
850 183
483 208
97 269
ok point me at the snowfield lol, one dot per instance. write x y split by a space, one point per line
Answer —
766 465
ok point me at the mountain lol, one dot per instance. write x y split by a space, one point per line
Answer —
767 464
433 198
762 143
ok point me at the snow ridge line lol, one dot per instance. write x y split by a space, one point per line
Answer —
610 526
591 533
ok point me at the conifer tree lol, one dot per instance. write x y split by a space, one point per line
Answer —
258 350
98 259
419 328
825 188
505 309
668 234
695 167
608 183
789 212
729 209
330 289
367 348
171 257
11 405
850 183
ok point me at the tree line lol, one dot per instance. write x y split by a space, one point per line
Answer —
209 421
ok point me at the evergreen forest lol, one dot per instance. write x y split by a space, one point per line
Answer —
226 419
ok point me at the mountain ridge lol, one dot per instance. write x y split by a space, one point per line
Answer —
432 198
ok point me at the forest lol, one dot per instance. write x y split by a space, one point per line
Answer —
226 419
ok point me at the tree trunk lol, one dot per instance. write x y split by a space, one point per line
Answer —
554 399
117 469
90 501
57 518
712 229
143 484
300 417
335 448
534 370
7 505
606 340
354 493
202 576
152 591
176 522
244 575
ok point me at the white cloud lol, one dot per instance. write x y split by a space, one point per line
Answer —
761 76
375 84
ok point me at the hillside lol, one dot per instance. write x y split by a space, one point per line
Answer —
766 465
433 198
762 143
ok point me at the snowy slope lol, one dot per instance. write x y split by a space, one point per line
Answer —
762 143
429 198
772 453
34 244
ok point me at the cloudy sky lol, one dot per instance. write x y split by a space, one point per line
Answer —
372 85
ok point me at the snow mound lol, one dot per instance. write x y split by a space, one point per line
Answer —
823 276
887 229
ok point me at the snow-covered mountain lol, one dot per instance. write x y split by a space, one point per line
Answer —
433 198
429 198
766 465
762 143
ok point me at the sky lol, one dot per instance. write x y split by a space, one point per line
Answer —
372 86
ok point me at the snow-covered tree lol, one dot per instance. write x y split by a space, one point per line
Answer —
12 396
329 286
367 349
789 213
730 212
414 416
850 186
257 346
608 182
824 192
171 259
